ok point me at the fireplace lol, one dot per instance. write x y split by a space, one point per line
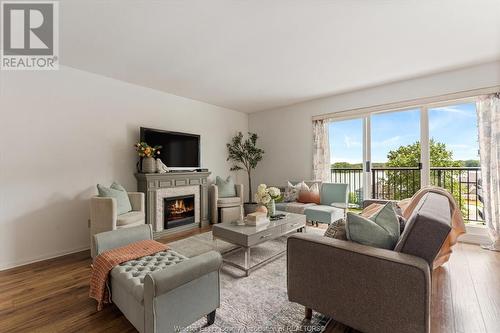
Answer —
178 211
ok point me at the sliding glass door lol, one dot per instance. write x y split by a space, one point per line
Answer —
391 155
346 151
395 154
454 154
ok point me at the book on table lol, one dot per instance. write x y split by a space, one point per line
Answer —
256 219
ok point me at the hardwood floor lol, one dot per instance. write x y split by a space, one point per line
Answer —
472 299
52 296
465 293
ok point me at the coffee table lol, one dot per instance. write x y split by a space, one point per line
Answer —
246 237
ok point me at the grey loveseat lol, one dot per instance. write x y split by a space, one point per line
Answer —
165 292
371 289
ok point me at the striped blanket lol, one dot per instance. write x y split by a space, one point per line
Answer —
104 263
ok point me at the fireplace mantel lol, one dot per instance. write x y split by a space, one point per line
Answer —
153 183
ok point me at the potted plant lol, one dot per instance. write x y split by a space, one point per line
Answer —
245 155
147 155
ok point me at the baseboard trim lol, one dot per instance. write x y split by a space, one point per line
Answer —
42 258
475 235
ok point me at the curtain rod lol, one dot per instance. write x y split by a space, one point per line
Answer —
410 103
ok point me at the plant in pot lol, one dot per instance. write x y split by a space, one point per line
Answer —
147 156
245 155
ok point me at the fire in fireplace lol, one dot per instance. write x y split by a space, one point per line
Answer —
178 211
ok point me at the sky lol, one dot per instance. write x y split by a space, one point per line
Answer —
456 126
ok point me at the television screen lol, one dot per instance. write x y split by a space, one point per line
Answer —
179 150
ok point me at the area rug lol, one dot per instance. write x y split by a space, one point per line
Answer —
257 303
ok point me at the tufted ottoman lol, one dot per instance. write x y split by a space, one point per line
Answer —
164 292
130 275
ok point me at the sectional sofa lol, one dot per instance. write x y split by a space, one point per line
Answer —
330 193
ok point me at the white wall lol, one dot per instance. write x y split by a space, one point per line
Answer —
286 133
62 132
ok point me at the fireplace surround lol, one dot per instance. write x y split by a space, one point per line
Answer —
158 186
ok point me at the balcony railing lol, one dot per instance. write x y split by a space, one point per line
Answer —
401 183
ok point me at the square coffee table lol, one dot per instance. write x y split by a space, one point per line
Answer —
246 237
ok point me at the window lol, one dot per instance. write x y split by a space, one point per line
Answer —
390 155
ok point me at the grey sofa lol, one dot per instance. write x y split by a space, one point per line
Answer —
371 289
164 292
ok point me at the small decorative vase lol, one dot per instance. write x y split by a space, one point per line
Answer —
271 208
148 165
261 209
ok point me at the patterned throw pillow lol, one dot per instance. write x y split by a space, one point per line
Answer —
336 230
292 192
402 223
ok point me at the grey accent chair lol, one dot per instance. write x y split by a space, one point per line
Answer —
164 292
325 212
367 288
104 217
225 208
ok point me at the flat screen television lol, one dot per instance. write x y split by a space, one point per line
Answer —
180 151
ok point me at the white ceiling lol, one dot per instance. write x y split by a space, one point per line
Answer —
255 55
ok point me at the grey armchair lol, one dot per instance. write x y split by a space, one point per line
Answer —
227 208
160 300
104 217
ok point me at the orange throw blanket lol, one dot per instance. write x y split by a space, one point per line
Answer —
408 205
104 263
457 221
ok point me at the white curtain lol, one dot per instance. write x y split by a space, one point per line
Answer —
488 111
321 151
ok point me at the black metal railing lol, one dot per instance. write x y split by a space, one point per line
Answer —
463 183
395 183
354 178
400 183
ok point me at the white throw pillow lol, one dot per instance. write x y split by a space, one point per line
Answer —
292 191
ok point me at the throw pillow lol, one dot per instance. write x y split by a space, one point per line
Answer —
371 209
118 187
119 193
375 207
336 230
380 230
226 187
399 213
402 223
309 194
292 192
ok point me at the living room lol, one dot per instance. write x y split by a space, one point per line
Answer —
152 97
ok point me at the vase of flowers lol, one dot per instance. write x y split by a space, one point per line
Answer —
267 196
147 155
